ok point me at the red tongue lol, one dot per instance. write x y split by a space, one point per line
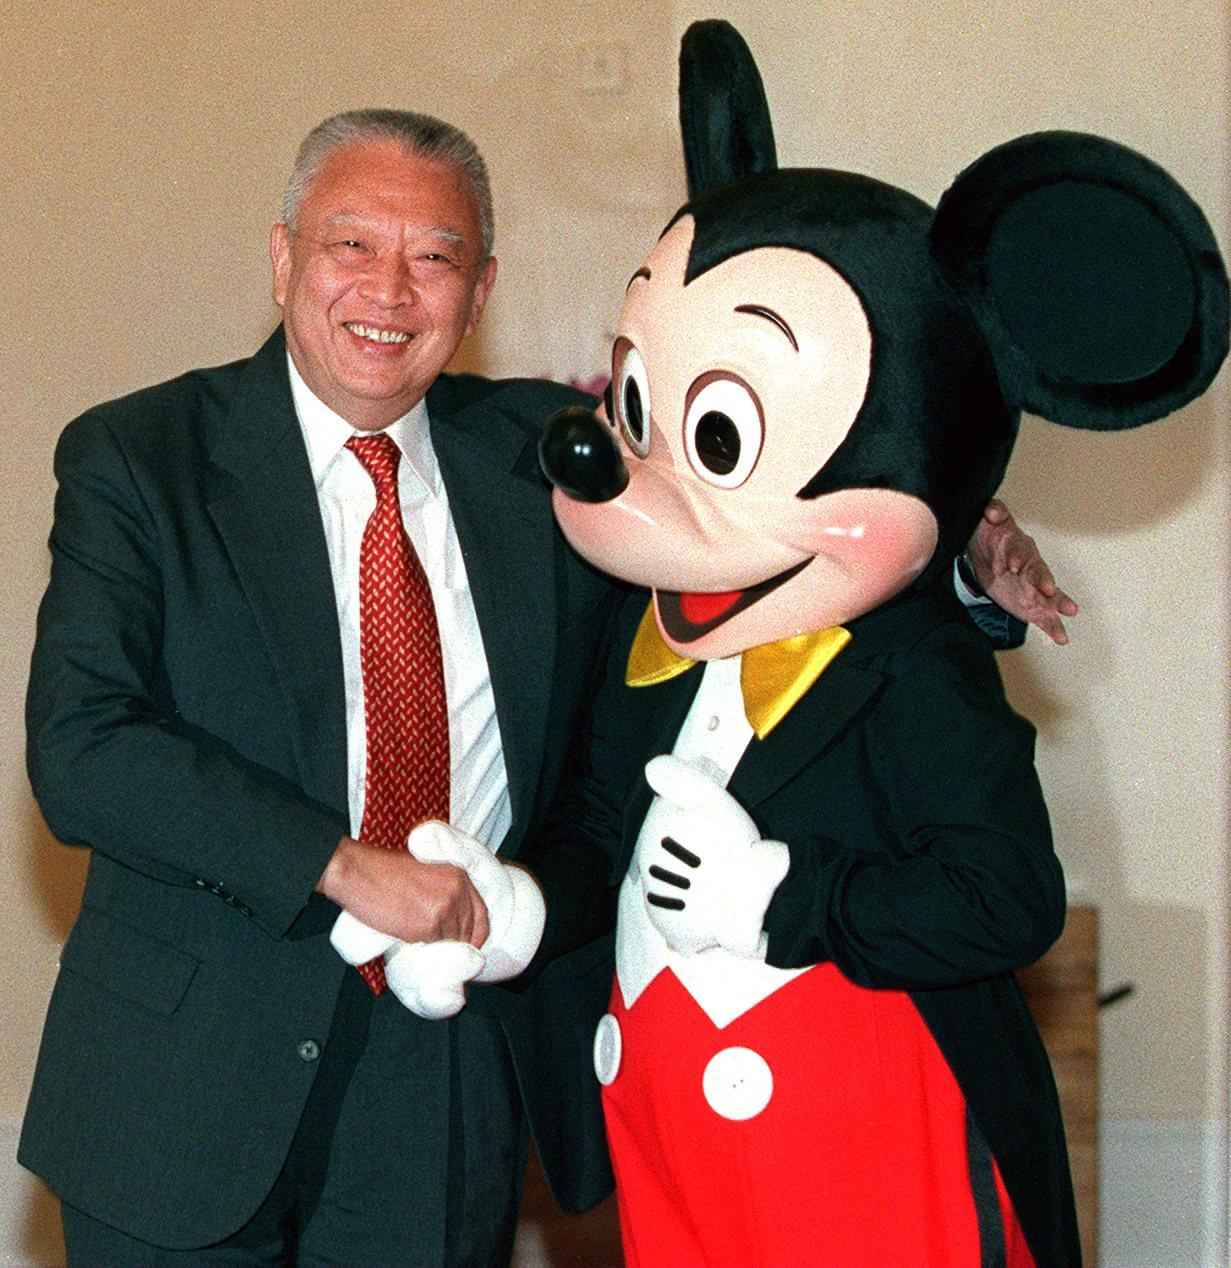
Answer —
700 608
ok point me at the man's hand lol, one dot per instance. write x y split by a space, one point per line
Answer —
430 977
1011 572
393 892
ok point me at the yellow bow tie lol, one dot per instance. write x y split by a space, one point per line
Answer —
772 677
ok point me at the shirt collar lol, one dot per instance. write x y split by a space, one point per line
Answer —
773 677
326 432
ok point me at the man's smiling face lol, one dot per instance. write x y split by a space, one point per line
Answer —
381 278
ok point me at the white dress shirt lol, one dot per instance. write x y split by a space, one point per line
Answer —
716 731
479 785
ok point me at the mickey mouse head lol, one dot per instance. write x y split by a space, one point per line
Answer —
818 380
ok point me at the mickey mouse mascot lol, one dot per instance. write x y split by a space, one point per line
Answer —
838 853
816 1052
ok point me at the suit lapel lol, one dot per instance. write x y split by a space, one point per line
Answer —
806 732
502 513
265 507
841 693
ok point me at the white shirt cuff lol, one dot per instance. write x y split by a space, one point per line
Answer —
965 593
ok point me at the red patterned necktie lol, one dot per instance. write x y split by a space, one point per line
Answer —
405 712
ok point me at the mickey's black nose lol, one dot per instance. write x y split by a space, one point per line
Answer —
579 454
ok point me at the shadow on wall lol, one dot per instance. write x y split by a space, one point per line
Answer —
40 1242
1094 483
1159 1159
1161 1169
57 873
57 877
1162 1034
470 357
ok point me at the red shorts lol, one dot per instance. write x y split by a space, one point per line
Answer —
821 1127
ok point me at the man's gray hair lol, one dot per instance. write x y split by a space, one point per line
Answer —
421 134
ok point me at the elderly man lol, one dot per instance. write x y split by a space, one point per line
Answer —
213 711
297 604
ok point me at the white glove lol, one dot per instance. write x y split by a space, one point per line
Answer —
706 874
429 978
358 943
515 909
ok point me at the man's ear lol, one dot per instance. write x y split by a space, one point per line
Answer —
1094 276
280 255
724 117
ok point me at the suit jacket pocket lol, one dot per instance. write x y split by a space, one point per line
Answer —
119 958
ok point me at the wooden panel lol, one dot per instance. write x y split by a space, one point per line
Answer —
1062 991
547 1238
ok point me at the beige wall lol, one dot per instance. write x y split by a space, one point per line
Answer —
140 170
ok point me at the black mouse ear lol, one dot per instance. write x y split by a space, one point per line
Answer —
724 116
1094 276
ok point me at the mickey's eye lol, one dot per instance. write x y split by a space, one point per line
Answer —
632 400
723 429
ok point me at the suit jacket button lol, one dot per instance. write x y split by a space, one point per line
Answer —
309 1050
608 1048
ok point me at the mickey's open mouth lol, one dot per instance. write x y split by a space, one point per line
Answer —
687 617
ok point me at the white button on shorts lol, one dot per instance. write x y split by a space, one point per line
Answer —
608 1045
737 1083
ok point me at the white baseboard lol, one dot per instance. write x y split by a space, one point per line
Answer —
1162 1194
29 1214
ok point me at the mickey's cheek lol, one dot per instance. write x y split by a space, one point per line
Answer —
875 532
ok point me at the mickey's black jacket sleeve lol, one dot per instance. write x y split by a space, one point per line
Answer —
940 869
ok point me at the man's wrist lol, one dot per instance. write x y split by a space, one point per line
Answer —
336 878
